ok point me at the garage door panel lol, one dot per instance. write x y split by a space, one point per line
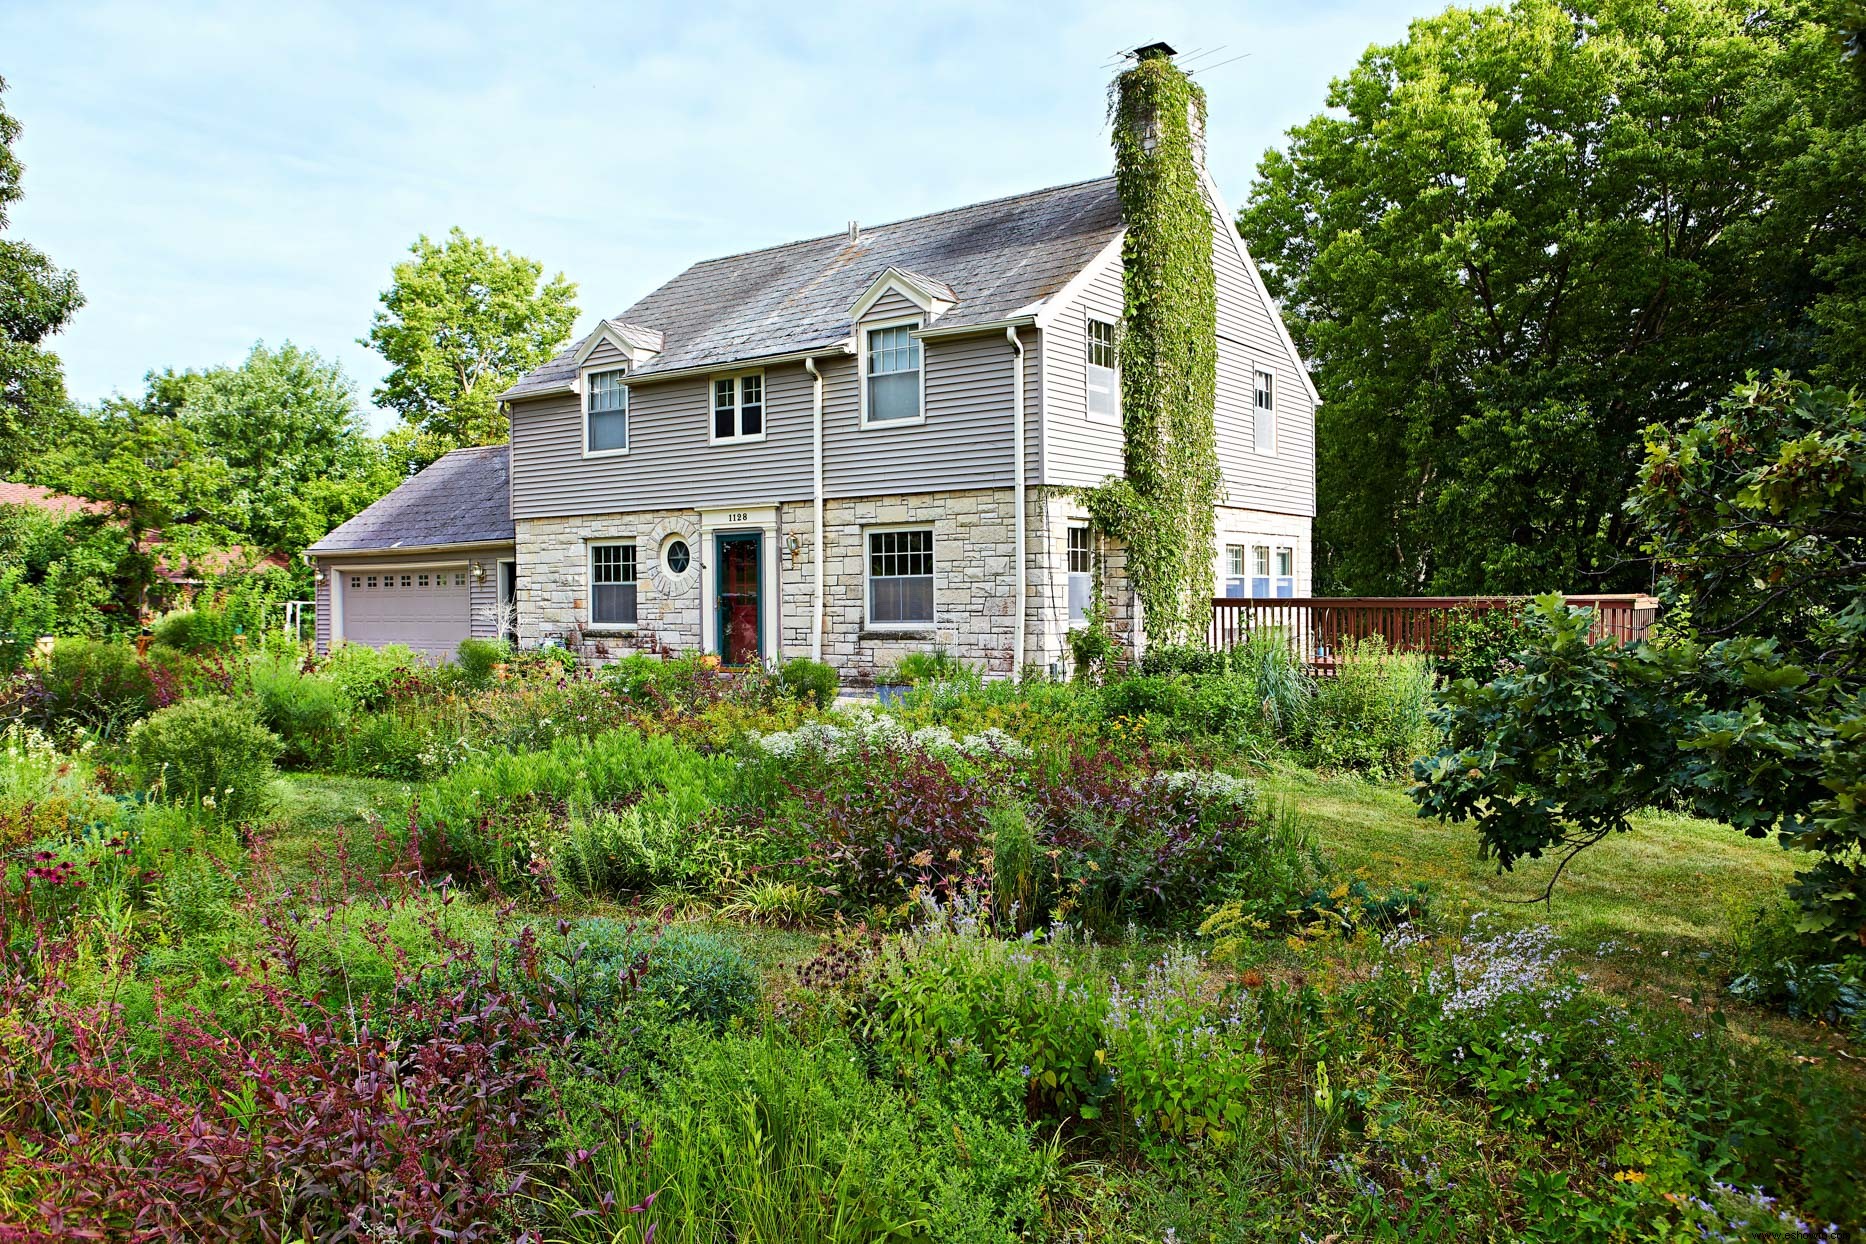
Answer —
427 608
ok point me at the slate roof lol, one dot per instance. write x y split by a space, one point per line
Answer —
999 258
462 497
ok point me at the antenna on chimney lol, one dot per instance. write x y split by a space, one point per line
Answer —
1155 51
855 232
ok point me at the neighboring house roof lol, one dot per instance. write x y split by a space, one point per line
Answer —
462 497
211 561
998 260
45 499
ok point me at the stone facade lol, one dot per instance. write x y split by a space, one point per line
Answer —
973 535
554 583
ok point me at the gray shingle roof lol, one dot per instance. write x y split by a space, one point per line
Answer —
998 258
462 497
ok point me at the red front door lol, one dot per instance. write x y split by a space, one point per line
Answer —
740 640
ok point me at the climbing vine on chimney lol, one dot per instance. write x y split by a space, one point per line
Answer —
1163 508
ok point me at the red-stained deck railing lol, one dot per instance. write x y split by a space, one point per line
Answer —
1316 626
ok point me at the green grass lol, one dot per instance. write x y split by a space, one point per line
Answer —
310 808
1671 884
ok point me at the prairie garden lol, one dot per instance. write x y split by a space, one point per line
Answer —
355 947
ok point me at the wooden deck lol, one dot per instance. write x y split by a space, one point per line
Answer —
1317 626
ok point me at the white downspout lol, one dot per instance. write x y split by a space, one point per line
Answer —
1017 489
816 540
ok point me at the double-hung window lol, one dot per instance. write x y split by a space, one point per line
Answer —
1264 403
1081 573
1104 378
605 406
739 407
1235 579
891 374
1259 570
900 577
1286 572
612 584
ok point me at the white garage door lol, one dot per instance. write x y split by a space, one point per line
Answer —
426 608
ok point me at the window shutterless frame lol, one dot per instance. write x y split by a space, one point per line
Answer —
605 411
1103 371
901 561
614 584
737 404
892 353
1081 572
1263 410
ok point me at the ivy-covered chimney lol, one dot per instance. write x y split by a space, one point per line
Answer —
1163 508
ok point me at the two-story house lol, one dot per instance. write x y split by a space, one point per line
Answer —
849 447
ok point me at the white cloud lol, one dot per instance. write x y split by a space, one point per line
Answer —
220 174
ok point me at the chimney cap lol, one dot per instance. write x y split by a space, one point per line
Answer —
1155 51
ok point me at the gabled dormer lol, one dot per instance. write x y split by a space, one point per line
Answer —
603 362
885 323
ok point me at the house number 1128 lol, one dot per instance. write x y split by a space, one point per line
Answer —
737 518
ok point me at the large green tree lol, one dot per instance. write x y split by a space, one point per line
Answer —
37 298
1523 234
1752 711
285 423
461 321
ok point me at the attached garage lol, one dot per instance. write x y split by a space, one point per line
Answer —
428 565
428 608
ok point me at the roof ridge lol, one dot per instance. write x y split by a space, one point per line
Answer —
889 224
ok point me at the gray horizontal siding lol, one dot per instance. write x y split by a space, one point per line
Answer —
889 305
1084 451
605 355
1248 338
965 441
670 463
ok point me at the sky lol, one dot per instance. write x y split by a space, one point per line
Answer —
222 174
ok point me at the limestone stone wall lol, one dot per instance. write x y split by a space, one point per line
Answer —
554 586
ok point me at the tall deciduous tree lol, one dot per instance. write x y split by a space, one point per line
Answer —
461 321
37 298
285 422
1524 234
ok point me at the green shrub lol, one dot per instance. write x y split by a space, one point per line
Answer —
935 666
1478 643
765 1138
1372 716
99 685
477 657
209 754
1016 875
368 675
196 630
383 745
462 816
306 711
44 793
813 682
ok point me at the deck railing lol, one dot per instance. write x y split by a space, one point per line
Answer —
1316 626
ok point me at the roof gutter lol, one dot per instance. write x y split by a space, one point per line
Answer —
682 373
989 326
395 550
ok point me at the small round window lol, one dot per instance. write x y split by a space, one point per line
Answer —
678 557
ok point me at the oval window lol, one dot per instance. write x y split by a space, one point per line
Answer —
678 557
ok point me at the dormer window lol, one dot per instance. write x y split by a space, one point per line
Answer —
739 407
605 412
1104 379
891 374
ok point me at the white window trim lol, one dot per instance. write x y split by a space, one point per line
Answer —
1072 524
738 403
628 412
1115 371
861 370
1276 385
589 579
868 566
